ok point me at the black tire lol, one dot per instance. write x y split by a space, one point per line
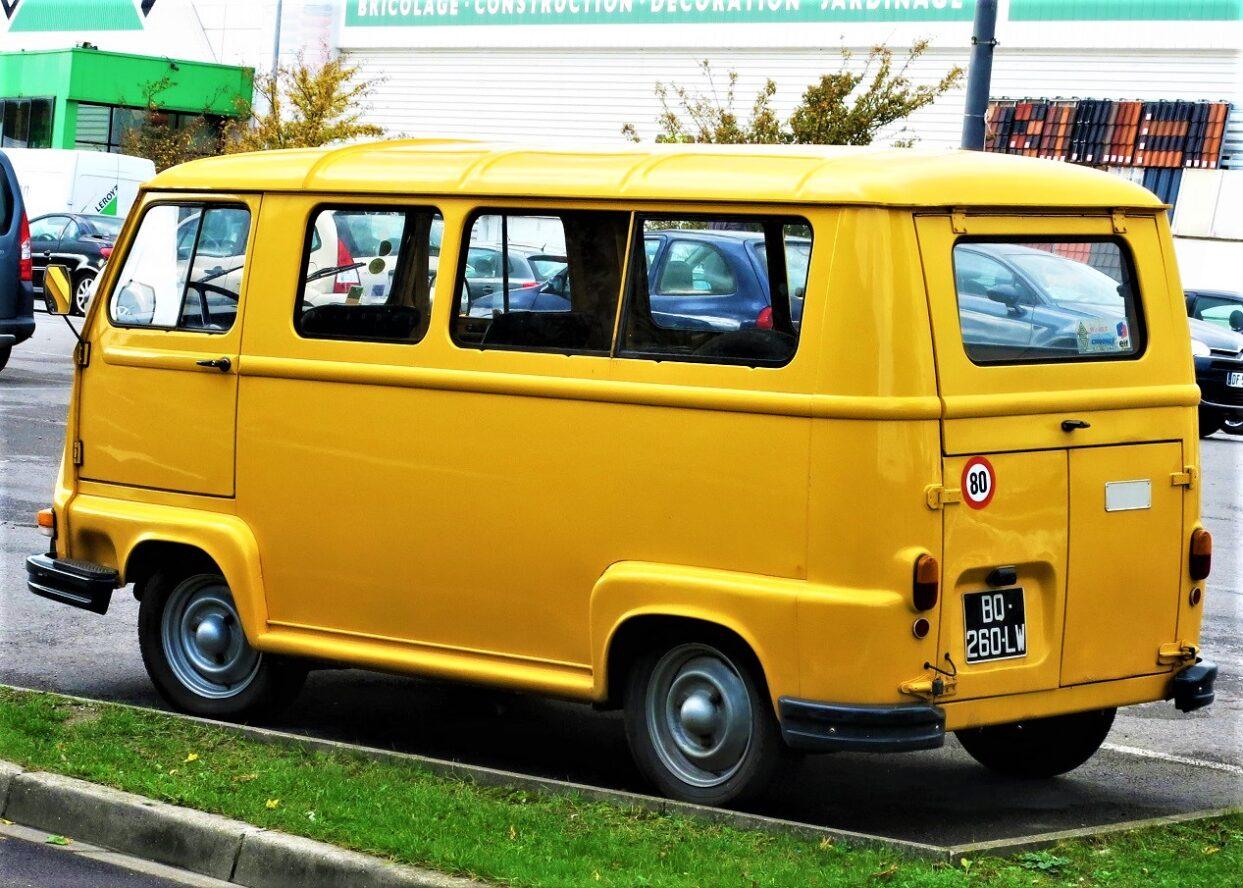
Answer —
1231 426
1210 422
262 685
749 774
1041 747
5 351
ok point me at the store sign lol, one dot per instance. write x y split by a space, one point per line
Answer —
76 15
415 13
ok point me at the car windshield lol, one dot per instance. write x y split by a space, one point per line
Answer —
1070 283
107 226
546 266
364 232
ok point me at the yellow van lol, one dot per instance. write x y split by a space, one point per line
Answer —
778 450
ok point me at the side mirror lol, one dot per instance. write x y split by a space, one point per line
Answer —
1009 296
56 288
1236 321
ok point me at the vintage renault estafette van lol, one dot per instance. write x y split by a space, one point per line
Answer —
778 451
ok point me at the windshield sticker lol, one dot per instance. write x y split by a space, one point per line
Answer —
1096 337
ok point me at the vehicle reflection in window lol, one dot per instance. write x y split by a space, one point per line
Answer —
1029 301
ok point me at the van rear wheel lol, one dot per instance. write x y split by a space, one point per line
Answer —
1040 747
5 351
198 657
700 724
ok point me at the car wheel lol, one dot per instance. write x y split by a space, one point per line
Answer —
5 351
198 657
1041 747
700 724
1210 422
1232 425
82 289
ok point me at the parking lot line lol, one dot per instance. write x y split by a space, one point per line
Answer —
1177 759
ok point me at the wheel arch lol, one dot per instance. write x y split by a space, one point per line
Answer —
634 603
140 538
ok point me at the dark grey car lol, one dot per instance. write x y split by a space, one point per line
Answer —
17 321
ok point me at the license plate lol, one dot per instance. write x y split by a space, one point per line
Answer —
996 625
1235 379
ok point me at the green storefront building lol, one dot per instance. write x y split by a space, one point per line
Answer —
87 98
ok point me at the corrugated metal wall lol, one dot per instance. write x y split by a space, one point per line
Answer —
568 93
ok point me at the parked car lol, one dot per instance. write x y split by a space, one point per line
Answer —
698 279
79 242
17 322
529 267
1216 318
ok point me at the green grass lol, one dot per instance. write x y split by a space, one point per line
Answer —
529 839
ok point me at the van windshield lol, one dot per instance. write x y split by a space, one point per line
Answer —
1046 300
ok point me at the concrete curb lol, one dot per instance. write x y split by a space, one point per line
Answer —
207 844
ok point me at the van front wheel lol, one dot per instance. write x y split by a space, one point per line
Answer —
700 725
1040 747
197 654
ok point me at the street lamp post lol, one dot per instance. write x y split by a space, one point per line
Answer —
980 74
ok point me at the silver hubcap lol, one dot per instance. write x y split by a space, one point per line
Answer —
204 642
699 715
83 293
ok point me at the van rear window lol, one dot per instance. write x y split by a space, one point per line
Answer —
1030 301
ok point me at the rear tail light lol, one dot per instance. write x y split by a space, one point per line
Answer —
344 260
47 522
106 252
764 321
25 267
1200 562
927 585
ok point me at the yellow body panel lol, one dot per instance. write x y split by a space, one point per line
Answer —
498 516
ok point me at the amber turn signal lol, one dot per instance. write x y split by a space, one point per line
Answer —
47 522
927 585
1200 561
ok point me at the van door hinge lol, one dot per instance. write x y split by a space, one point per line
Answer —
937 496
1119 219
82 354
1177 652
958 222
77 453
1185 478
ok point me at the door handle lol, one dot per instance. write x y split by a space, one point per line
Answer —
221 364
1069 425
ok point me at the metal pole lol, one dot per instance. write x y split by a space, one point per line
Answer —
980 74
276 40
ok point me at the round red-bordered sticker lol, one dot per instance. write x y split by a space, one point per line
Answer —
979 482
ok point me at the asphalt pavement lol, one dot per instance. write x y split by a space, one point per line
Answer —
1157 761
28 860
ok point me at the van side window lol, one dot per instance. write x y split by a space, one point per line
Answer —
541 282
724 290
368 274
1025 301
184 269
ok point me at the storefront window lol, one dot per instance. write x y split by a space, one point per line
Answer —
103 127
26 123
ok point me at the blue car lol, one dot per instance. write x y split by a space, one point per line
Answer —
698 279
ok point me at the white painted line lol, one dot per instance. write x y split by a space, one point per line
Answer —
1177 759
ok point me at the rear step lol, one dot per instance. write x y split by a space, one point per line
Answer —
83 584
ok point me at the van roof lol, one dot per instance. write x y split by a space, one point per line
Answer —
750 173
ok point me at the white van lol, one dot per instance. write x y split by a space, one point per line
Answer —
57 180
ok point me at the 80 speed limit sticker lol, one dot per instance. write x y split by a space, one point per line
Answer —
979 482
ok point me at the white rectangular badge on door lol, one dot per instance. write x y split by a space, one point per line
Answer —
1127 496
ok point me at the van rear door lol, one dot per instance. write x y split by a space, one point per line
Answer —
1065 449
